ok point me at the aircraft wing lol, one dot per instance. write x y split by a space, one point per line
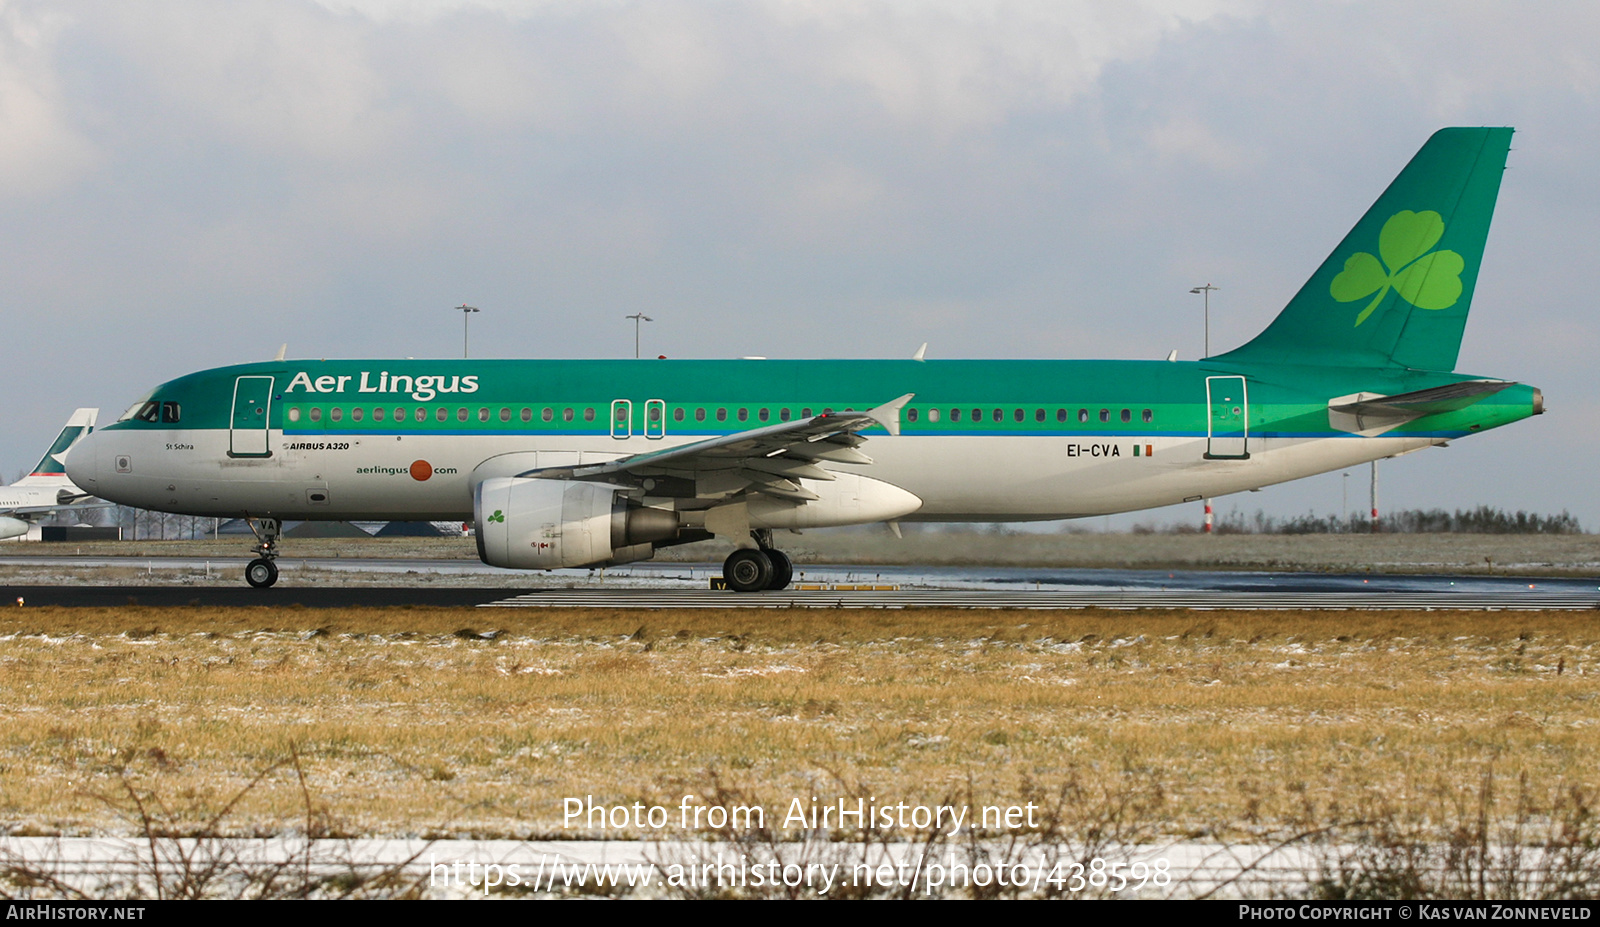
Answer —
771 459
47 509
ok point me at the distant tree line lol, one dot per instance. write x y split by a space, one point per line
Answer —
1482 520
138 524
142 524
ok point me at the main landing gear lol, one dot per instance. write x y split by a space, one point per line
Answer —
262 572
755 569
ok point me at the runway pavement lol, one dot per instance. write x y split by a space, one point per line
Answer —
464 584
241 596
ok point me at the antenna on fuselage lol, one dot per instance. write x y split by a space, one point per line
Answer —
282 350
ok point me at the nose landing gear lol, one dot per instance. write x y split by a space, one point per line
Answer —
262 572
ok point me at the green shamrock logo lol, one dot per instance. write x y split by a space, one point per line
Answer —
1424 278
498 516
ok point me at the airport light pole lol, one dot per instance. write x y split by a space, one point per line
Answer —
466 315
1205 294
637 318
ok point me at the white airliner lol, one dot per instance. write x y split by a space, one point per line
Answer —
580 463
47 489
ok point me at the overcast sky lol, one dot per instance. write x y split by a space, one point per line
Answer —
186 184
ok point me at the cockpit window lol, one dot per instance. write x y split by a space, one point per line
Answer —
171 412
134 410
149 412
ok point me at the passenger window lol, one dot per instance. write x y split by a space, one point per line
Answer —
805 413
1083 415
1105 415
1061 415
1017 415
1038 415
399 414
505 415
483 415
699 415
294 413
170 412
461 414
548 415
762 414
977 415
652 413
1147 416
783 415
677 415
911 415
722 415
527 414
355 414
588 414
566 415
316 414
377 415
335 413
744 414
442 415
933 415
1127 415
955 415
422 414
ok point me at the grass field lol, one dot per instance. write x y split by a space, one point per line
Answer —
438 722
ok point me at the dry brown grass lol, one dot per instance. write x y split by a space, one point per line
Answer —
409 724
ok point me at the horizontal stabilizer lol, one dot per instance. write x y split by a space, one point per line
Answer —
1371 414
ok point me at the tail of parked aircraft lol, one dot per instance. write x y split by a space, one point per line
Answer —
50 471
1397 289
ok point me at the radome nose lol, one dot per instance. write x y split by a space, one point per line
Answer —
82 462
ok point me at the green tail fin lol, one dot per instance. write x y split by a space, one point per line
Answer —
1397 289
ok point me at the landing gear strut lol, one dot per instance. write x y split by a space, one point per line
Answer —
765 567
262 572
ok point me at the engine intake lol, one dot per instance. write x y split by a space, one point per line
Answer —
541 524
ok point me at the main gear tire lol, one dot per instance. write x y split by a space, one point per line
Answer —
782 569
747 570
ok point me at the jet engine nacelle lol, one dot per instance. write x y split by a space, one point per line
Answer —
543 524
12 527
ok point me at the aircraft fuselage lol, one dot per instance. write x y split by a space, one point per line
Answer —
980 440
